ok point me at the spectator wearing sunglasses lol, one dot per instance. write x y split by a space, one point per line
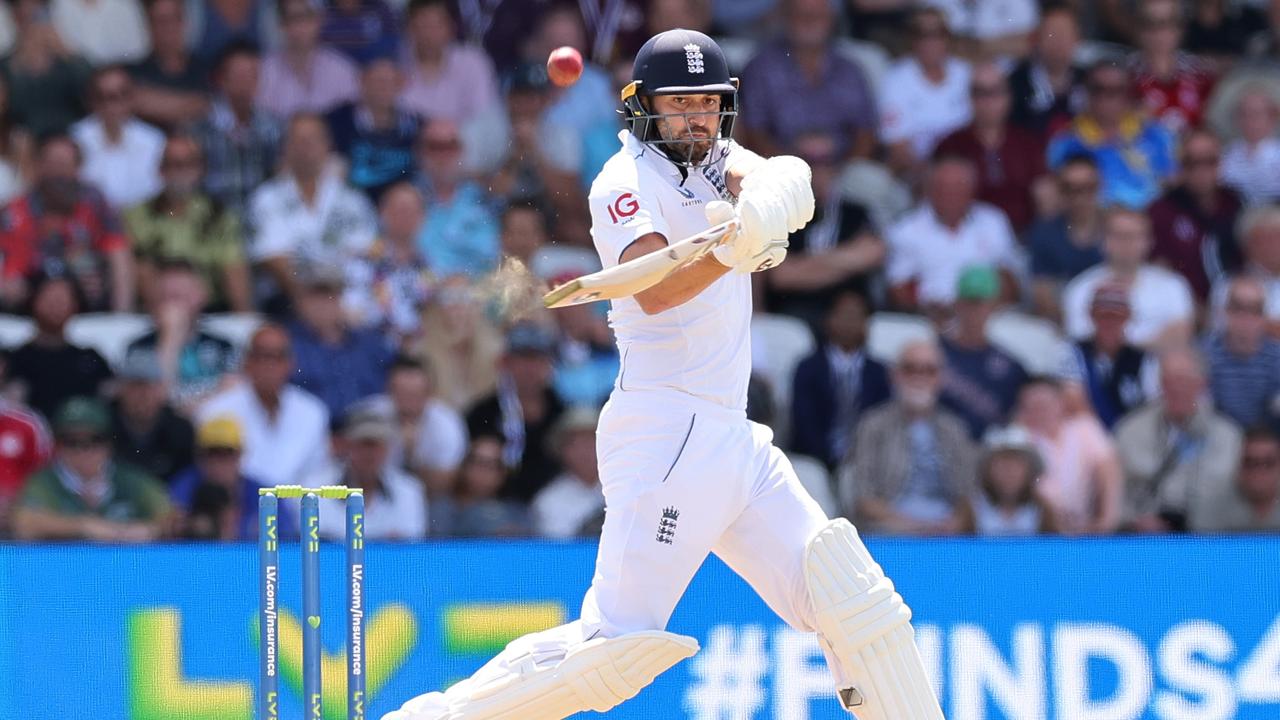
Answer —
1254 506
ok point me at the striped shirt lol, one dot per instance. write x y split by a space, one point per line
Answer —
1253 172
238 158
1243 386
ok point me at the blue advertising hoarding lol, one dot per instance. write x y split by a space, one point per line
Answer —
1112 629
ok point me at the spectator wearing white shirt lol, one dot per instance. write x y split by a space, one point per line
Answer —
992 28
573 502
1251 162
102 31
395 507
1161 303
285 428
948 232
305 76
431 437
924 96
122 154
308 215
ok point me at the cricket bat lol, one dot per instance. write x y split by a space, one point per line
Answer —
642 273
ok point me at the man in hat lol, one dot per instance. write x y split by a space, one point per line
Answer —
216 499
395 504
1114 376
84 494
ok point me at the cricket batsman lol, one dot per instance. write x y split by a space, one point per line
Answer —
684 472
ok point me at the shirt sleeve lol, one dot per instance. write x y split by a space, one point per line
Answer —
271 237
1075 310
620 216
442 441
900 266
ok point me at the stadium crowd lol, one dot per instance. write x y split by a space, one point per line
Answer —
356 177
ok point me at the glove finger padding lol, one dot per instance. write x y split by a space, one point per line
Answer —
789 179
719 211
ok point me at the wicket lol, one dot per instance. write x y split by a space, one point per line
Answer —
268 598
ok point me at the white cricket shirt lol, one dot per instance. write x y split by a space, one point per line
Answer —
702 347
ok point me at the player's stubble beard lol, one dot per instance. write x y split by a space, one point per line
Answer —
691 145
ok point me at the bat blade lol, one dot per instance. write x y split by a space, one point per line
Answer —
642 273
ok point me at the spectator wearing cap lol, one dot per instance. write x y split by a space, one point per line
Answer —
1172 85
49 369
1194 223
308 214
837 384
389 284
65 225
361 29
171 85
145 430
215 500
121 153
85 493
1007 501
1253 505
1251 162
1114 376
1065 245
305 76
25 446
949 231
1009 159
102 31
184 223
523 410
46 82
477 508
801 84
981 382
1081 480
395 504
1048 86
376 133
572 503
1243 362
285 428
1135 154
447 79
335 362
1161 301
840 249
1180 456
460 236
241 141
192 362
431 437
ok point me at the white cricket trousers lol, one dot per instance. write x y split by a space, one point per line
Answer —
684 477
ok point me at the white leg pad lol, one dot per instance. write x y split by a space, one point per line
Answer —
595 675
865 628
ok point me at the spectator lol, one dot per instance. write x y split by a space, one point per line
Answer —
1243 363
1081 481
523 232
1161 301
461 344
1009 159
308 214
1113 374
1173 86
1048 87
1179 455
587 362
336 363
911 462
361 29
304 76
145 430
395 505
461 232
1251 162
924 96
476 509
1067 244
171 86
15 149
222 24
46 83
838 250
571 505
946 233
591 101
1194 221
27 446
981 382
84 494
546 162
1007 501
121 153
102 31
1260 235
183 223
522 411
192 363
431 438
49 370
447 80
1253 505
376 134
240 141
286 429
837 384
215 499
1218 29
992 30
1134 154
390 283
801 84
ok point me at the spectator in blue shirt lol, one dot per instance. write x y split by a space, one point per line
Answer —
362 29
376 134
1244 363
214 499
338 364
1135 154
460 236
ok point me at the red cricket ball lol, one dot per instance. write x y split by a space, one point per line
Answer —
564 66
